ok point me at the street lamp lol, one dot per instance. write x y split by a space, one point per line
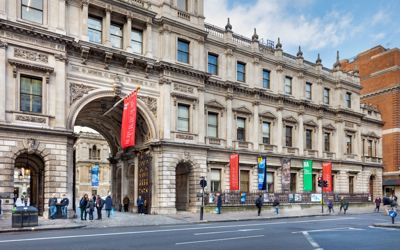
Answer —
203 184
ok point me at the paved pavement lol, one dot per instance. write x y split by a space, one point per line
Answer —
130 219
352 231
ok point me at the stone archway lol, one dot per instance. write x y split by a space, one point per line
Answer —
183 171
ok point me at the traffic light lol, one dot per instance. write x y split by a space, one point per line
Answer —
325 183
319 182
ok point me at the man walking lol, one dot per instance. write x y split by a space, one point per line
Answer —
140 204
64 205
276 205
377 204
344 204
126 201
52 206
219 203
108 204
259 204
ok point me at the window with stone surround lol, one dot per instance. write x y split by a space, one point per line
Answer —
288 136
270 182
348 100
370 145
308 90
244 180
183 117
266 78
212 125
215 185
351 184
326 96
327 142
266 129
31 94
212 64
182 5
241 72
309 138
241 128
116 35
293 182
137 41
349 144
183 51
32 10
288 85
95 29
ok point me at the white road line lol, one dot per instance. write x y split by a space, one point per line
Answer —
223 239
330 230
384 228
172 229
310 239
232 231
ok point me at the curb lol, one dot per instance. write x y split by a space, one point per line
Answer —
34 229
386 225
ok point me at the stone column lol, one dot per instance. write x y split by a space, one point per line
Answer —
320 138
279 128
300 141
106 29
201 116
357 143
339 138
149 40
3 48
256 127
166 45
136 178
60 99
61 15
124 179
84 20
229 120
3 10
165 109
70 174
127 34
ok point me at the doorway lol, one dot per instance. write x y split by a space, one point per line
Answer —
182 186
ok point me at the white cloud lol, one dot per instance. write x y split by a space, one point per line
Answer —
272 20
379 36
379 17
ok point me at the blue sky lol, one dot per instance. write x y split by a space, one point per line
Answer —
318 26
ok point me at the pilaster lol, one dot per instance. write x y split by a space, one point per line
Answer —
149 40
3 75
229 120
300 140
84 20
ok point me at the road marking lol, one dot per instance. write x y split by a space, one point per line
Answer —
384 228
223 239
330 230
173 229
310 239
233 231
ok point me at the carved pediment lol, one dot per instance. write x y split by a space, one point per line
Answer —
243 110
371 135
215 104
267 115
290 119
310 123
329 127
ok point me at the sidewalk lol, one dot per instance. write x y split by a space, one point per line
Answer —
120 219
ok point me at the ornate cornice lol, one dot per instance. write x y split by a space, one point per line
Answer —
381 91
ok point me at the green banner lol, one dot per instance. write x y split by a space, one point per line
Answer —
307 179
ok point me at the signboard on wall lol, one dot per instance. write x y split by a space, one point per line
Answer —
327 175
234 172
307 175
261 172
95 175
285 179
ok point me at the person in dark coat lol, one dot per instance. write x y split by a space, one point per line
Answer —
82 206
330 206
126 201
90 208
378 201
108 204
140 204
52 206
344 204
275 204
99 206
259 204
64 205
219 203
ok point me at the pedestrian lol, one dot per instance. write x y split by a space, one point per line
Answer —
99 206
90 208
140 204
82 206
219 203
126 201
393 214
344 204
275 204
330 206
259 204
377 204
94 197
108 204
64 205
0 206
52 206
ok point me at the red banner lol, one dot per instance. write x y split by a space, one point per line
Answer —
234 172
327 175
128 125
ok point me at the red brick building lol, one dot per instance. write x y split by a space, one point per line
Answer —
379 71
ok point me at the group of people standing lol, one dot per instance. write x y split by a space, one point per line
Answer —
53 202
87 206
139 202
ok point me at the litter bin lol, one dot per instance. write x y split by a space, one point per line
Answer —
25 217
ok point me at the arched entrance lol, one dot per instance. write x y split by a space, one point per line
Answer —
371 186
29 181
182 186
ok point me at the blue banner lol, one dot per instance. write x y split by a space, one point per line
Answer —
261 173
95 176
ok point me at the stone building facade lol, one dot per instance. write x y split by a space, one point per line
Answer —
92 151
206 92
379 71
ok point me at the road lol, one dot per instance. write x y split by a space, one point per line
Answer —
325 232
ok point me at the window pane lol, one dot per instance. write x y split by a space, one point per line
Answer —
183 46
115 30
37 104
212 131
36 87
266 75
94 36
183 125
37 4
116 42
183 111
240 122
137 41
31 14
182 5
94 23
25 85
25 102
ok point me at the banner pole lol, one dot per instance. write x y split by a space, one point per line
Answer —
121 100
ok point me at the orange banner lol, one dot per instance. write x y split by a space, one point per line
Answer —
327 175
234 172
128 125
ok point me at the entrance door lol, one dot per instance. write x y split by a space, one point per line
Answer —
371 186
182 186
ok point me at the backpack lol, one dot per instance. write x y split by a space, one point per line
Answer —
81 203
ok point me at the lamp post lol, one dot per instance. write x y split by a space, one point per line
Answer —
203 184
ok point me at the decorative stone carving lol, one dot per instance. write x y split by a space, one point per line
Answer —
151 103
184 137
27 65
84 54
3 44
183 88
78 90
128 64
117 86
28 118
107 59
31 55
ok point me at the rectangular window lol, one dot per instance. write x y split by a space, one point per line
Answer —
32 10
212 64
293 180
288 137
349 146
351 184
241 132
241 71
116 35
288 85
266 128
183 118
244 181
212 126
215 180
94 29
182 5
266 78
137 41
183 51
348 100
308 91
308 139
327 142
370 143
31 94
363 147
270 182
326 96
